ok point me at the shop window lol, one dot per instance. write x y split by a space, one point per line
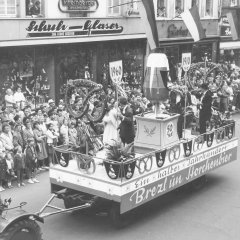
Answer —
113 7
132 56
8 8
179 7
73 62
233 3
161 9
34 8
195 3
209 8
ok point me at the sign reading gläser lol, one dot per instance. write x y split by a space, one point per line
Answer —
96 27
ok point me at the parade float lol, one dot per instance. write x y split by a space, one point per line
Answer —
121 178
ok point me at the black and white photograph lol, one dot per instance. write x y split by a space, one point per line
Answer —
119 119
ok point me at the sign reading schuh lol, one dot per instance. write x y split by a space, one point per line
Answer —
78 5
38 29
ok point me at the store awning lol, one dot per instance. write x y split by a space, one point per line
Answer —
47 41
230 45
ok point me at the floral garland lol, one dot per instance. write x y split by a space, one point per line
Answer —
203 70
93 88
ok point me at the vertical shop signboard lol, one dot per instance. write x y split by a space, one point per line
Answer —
186 61
116 71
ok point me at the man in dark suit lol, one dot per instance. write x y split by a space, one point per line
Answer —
205 108
127 132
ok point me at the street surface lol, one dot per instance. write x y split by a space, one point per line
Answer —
210 213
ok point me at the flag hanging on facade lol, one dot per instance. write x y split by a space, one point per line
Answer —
147 13
191 19
233 16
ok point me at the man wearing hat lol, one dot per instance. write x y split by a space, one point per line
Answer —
51 104
126 127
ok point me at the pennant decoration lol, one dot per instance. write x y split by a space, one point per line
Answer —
210 137
191 19
147 13
187 146
160 157
230 130
233 16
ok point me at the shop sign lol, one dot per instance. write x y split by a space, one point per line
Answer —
186 61
225 31
78 5
116 71
225 26
177 174
174 32
89 27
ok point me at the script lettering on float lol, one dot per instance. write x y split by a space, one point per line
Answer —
89 27
175 175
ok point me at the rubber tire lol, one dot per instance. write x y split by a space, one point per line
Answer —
8 234
118 220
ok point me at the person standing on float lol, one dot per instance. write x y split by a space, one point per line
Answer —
205 107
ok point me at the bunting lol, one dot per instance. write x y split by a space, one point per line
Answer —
191 19
147 13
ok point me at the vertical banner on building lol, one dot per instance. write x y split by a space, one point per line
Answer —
147 13
191 19
116 71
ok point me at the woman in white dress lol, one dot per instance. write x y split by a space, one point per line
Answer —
111 123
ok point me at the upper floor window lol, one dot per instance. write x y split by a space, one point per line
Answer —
209 8
34 8
8 8
195 3
179 7
233 3
161 9
113 7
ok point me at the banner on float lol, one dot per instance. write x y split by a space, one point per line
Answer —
153 185
116 71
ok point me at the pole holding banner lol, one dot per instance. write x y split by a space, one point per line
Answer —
186 64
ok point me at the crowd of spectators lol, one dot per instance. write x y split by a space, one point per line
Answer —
27 137
27 134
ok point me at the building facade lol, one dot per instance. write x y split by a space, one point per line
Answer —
45 43
229 49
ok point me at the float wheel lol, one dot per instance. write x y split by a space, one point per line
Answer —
25 229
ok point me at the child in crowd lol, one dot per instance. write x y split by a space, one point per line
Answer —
10 166
31 161
19 165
